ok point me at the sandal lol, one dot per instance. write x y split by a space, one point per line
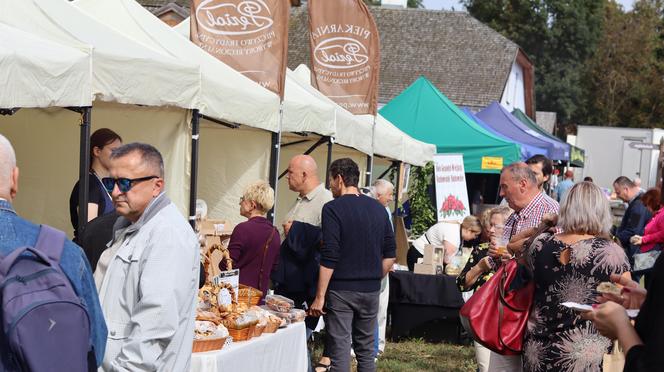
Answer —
320 367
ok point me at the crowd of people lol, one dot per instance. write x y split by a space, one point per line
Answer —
139 271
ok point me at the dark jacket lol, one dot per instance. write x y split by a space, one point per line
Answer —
633 223
297 269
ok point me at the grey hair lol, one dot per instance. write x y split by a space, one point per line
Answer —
149 155
380 186
7 163
585 210
520 171
623 181
503 210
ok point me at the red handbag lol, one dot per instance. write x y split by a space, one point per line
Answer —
496 316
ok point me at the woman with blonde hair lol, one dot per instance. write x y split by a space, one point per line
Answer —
444 234
477 271
568 267
254 244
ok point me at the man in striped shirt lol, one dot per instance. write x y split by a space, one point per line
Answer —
519 186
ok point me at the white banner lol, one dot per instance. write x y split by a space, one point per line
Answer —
451 193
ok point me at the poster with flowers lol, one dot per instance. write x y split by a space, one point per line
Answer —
451 193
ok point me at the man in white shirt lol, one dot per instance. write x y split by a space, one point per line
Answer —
383 191
147 278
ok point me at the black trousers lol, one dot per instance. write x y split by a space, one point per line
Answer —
411 258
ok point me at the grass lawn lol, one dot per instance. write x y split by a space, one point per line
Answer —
416 355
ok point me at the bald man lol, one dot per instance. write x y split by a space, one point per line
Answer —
17 232
303 178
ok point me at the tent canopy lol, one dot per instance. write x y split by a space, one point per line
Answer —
123 71
532 125
503 122
424 113
27 61
303 112
526 150
226 94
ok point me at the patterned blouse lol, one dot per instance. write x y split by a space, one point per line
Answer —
478 253
557 339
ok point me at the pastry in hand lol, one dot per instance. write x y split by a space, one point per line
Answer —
609 288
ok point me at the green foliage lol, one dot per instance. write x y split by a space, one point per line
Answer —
421 208
557 35
624 77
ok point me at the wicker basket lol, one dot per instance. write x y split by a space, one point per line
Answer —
248 295
240 334
258 330
271 327
208 344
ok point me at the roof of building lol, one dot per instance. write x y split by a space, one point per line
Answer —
546 120
464 58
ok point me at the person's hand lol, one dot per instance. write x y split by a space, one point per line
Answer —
549 219
316 308
485 264
632 295
287 225
608 318
636 240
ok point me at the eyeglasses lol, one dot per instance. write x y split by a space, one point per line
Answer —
124 184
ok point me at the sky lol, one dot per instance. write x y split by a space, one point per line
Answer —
449 4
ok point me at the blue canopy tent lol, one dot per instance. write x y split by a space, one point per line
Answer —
504 122
526 150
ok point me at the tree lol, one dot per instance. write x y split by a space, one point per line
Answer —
624 77
558 36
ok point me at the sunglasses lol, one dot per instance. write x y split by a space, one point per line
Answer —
124 184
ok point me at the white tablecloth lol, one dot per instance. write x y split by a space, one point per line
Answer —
285 350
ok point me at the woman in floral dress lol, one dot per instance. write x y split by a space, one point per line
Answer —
568 267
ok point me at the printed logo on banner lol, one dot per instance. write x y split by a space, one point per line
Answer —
223 18
345 53
492 162
250 36
451 193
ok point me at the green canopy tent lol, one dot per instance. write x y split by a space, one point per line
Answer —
576 155
424 113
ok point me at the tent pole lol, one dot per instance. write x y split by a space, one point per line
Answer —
330 142
396 188
367 181
274 161
193 177
84 168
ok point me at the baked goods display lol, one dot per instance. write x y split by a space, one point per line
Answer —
279 303
609 288
207 329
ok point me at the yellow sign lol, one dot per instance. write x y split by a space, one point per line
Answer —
492 162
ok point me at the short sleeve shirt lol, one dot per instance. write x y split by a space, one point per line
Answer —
308 208
438 234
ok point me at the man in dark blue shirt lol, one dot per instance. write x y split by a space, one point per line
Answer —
635 218
358 251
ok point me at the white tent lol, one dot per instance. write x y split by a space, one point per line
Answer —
27 61
123 72
226 94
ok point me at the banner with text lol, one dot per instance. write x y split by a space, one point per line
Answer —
250 36
345 53
451 192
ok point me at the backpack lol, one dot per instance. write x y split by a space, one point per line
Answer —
45 325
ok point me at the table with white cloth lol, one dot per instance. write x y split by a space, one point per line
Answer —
285 350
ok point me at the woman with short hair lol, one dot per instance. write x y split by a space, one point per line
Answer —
568 267
254 244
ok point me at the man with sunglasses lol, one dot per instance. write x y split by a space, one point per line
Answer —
147 278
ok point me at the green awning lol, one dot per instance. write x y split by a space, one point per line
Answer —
424 113
532 125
